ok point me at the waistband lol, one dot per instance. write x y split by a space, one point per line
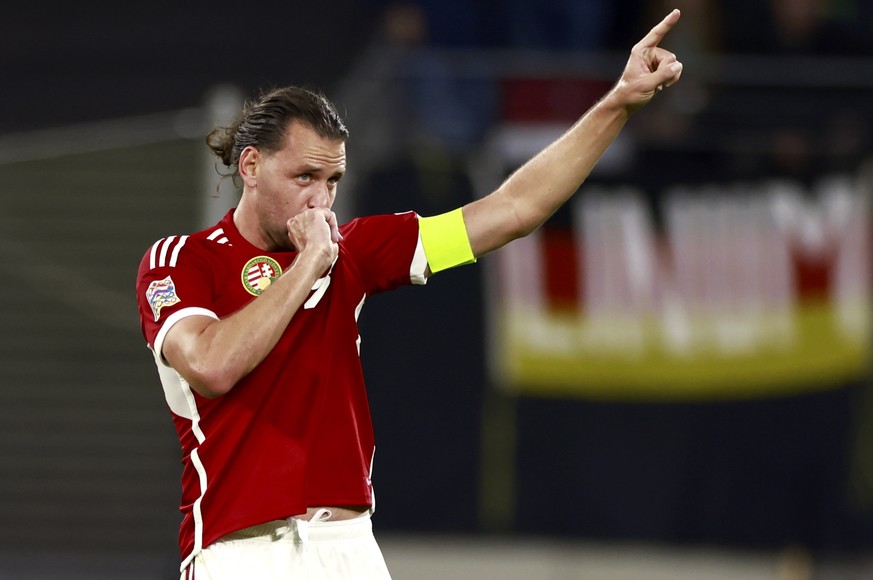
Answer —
291 529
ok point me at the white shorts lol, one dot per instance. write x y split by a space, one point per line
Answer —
293 548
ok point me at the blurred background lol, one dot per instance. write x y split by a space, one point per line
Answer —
671 379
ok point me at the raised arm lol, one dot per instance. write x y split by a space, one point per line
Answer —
539 187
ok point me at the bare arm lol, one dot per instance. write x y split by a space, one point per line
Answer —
538 188
213 355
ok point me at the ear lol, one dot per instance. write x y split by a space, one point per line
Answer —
249 162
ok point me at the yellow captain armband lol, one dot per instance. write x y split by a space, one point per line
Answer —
445 241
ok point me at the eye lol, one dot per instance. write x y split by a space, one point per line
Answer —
305 177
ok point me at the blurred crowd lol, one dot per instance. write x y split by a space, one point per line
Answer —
757 125
738 26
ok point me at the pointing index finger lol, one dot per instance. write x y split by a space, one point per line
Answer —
657 34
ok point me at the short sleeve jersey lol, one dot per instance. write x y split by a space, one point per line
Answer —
296 431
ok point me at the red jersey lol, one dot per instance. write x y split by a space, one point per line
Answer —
296 431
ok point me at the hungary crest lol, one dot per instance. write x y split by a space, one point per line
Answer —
259 273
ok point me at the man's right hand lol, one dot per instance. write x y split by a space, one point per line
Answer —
315 232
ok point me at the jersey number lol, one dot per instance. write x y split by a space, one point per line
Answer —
319 288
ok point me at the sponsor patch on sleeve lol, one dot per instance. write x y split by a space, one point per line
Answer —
161 293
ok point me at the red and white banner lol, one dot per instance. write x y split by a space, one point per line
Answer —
736 290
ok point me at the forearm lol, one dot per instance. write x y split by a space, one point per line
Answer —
213 355
539 187
533 193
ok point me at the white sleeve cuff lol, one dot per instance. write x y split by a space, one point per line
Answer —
173 319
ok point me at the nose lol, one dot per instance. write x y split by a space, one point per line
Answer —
320 196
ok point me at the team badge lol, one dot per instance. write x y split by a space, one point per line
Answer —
259 273
161 293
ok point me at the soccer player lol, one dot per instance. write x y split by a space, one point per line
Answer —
253 325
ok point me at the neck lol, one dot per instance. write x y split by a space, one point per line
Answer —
248 225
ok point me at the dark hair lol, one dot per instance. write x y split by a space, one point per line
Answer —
262 123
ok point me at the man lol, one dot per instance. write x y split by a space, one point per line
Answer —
252 323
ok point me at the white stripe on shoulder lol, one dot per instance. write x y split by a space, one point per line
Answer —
178 247
162 248
162 261
218 237
154 253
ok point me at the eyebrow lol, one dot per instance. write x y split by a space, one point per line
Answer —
310 168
